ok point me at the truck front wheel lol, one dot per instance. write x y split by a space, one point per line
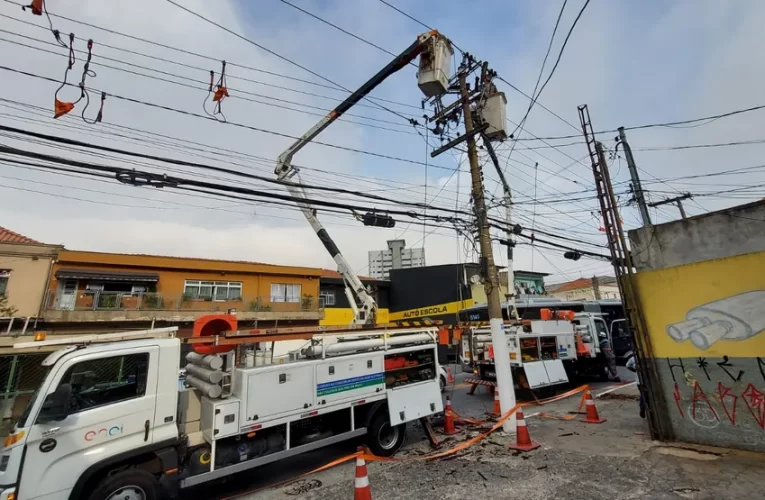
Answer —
129 484
384 439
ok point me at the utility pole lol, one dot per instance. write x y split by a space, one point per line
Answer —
491 284
636 187
678 200
596 287
507 200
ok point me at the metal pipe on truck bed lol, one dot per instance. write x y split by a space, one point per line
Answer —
357 345
210 390
210 361
212 376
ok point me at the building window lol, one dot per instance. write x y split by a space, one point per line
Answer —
4 277
327 297
285 293
213 290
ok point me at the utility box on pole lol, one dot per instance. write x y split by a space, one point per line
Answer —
493 112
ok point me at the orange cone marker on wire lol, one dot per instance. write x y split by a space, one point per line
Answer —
449 419
361 490
523 442
592 416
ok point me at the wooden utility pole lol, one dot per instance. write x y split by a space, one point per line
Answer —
678 200
488 269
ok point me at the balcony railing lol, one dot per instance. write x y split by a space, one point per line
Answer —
90 300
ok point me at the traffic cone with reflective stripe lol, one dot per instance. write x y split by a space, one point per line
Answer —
449 376
362 490
497 410
523 442
592 416
449 427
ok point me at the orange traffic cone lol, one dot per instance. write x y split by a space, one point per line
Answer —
497 410
592 416
449 418
362 490
523 442
449 376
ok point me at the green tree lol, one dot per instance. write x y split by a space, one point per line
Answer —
5 309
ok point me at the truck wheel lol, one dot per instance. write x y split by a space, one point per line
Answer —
442 382
129 484
384 439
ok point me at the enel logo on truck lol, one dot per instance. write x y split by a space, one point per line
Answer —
92 435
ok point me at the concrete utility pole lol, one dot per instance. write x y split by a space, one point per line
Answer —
596 287
491 285
678 200
639 195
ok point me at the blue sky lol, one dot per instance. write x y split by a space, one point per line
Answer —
631 62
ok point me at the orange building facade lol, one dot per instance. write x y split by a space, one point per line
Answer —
94 287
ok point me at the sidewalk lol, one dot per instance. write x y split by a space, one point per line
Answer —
612 460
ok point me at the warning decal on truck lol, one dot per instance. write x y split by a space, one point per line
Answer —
349 384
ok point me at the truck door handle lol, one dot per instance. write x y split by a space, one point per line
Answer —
146 430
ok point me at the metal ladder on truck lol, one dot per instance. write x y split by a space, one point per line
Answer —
621 259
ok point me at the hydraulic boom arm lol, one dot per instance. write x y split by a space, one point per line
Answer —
363 305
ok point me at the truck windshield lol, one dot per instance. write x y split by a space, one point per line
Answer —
23 419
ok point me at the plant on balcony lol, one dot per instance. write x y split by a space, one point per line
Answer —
6 310
307 302
151 301
107 301
258 305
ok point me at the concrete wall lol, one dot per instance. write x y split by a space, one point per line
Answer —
735 231
29 266
706 324
606 292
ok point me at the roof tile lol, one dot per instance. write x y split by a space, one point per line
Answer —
8 236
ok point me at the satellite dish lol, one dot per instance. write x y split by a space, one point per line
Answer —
475 279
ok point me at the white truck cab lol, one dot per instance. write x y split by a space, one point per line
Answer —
108 422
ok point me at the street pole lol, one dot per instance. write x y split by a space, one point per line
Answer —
678 200
639 195
489 271
512 312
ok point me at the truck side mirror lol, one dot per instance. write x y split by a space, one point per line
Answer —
56 406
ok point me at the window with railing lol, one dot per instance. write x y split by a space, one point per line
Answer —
282 292
213 290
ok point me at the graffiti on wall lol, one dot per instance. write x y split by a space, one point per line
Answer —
706 322
707 392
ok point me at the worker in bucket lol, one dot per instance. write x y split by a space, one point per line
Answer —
605 348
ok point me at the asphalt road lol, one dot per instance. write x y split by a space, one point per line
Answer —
248 485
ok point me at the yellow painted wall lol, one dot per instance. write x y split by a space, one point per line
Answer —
667 295
478 293
340 316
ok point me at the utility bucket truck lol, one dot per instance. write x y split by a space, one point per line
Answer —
551 351
111 421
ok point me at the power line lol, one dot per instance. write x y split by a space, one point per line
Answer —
235 124
557 61
234 92
206 57
275 54
371 44
135 154
192 147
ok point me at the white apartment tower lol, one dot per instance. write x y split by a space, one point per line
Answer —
397 256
